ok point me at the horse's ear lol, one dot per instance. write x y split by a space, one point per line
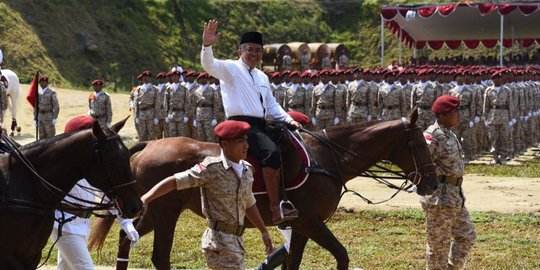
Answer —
413 116
118 126
97 131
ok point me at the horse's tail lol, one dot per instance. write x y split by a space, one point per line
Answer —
137 147
100 230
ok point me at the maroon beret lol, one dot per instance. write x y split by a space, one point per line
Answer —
190 73
79 123
299 117
445 103
275 75
44 78
98 82
231 129
295 73
202 75
160 75
147 73
139 77
305 74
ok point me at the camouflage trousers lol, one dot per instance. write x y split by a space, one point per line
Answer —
357 120
205 131
391 114
324 123
177 128
482 137
450 236
224 259
146 129
500 138
161 130
45 127
465 136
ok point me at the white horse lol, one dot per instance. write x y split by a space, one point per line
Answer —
13 92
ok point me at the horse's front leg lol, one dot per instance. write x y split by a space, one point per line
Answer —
296 250
165 213
316 230
144 225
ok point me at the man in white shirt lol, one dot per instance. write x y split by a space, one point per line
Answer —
247 97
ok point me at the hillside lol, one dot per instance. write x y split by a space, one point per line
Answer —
76 41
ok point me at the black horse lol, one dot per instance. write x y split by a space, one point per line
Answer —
37 178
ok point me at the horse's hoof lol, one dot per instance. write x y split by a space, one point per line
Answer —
19 129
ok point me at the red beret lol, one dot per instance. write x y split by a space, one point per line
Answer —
160 75
190 73
231 129
299 117
147 73
139 77
202 75
285 72
275 75
445 103
99 82
498 73
79 123
295 73
44 78
305 74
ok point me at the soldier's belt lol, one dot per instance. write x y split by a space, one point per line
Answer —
76 212
325 107
392 107
452 180
205 105
42 111
227 228
500 107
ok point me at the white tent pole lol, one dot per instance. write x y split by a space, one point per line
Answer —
400 50
501 42
513 36
382 41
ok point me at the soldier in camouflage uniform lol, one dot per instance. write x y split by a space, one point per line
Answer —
161 130
325 103
391 98
145 100
286 61
406 79
361 101
225 182
304 60
498 100
48 109
467 115
205 103
298 97
337 78
280 91
99 104
326 62
423 95
449 229
178 107
190 84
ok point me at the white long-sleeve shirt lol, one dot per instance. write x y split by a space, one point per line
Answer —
242 88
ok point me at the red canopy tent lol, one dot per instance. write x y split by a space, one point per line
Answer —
468 24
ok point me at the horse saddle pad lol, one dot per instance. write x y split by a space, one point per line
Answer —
291 181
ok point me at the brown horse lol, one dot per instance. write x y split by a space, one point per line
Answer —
38 177
346 153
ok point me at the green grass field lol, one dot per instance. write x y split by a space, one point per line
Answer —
374 240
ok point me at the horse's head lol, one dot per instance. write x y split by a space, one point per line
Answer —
109 169
414 158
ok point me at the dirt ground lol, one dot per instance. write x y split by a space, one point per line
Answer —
500 194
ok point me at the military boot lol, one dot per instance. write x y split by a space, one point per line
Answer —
277 258
280 212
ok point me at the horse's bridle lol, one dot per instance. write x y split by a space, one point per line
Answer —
111 191
420 172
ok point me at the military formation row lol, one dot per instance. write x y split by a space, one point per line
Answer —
499 108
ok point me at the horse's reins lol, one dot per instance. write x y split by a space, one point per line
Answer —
341 151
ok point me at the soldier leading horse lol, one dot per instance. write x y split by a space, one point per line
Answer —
346 153
38 177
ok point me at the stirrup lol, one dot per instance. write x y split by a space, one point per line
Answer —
293 212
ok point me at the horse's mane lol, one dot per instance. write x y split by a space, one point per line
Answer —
357 126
